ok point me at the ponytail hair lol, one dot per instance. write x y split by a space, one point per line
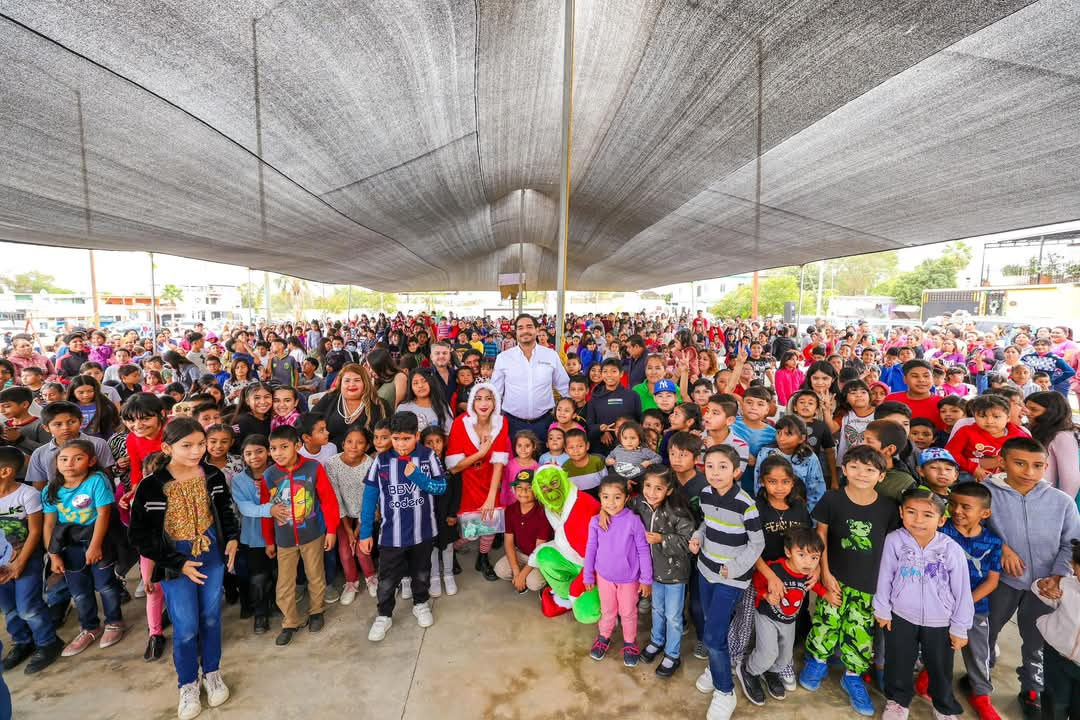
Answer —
53 487
177 429
795 424
798 488
675 500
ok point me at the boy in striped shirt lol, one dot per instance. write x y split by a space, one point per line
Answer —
728 544
401 485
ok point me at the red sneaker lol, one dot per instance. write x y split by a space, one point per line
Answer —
922 685
983 707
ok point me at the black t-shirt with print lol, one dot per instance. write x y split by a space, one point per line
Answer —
820 439
774 523
856 537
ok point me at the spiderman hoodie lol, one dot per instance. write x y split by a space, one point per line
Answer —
305 489
794 592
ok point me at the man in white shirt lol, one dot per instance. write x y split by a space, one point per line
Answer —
527 376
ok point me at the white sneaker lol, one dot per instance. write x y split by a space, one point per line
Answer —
791 684
372 586
704 682
721 707
895 711
348 593
140 590
435 588
423 615
190 706
450 584
406 589
217 692
379 628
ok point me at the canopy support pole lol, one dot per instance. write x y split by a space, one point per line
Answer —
564 186
86 207
153 301
757 176
259 153
798 310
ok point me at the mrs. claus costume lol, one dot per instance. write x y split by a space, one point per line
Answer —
464 441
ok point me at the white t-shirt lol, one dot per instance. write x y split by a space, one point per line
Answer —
327 451
852 428
14 509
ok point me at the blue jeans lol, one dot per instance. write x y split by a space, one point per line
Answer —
667 623
195 611
697 613
83 580
540 427
5 695
24 609
718 601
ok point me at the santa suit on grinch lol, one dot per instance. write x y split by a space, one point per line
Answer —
562 560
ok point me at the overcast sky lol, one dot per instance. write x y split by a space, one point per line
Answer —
128 273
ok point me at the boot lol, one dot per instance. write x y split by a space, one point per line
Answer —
483 566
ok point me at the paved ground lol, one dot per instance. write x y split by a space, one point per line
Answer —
489 656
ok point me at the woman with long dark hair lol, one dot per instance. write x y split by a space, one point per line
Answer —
390 383
1050 422
353 404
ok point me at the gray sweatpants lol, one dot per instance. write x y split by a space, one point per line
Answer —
773 645
1005 602
977 655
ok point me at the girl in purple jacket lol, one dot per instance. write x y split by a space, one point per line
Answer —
619 563
923 602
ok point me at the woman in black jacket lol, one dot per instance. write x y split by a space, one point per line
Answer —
182 520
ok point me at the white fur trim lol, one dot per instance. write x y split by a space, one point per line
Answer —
469 421
500 458
453 460
558 525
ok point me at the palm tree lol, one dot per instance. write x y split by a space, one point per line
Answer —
295 289
171 294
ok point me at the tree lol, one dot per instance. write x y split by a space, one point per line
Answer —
31 282
773 292
251 295
939 272
171 294
362 300
295 289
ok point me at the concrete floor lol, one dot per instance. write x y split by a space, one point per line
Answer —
491 655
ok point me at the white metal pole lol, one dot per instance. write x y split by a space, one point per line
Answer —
564 186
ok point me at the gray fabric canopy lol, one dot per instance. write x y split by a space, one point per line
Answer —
411 144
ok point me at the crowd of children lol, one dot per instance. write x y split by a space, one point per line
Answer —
881 518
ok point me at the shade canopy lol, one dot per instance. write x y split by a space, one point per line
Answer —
415 144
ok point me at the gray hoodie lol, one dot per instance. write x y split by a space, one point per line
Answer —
1039 527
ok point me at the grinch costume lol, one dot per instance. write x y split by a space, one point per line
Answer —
562 560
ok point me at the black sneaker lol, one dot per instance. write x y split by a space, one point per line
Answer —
457 566
650 652
599 647
751 685
700 651
155 648
668 666
285 636
316 622
246 611
774 684
16 655
262 625
630 654
125 596
1030 704
44 656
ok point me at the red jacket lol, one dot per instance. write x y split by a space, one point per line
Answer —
971 443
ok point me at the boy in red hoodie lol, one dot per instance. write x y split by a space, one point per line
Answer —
303 525
977 447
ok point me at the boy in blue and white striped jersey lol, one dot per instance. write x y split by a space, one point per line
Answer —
402 484
728 543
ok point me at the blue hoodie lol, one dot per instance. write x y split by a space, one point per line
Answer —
1039 527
